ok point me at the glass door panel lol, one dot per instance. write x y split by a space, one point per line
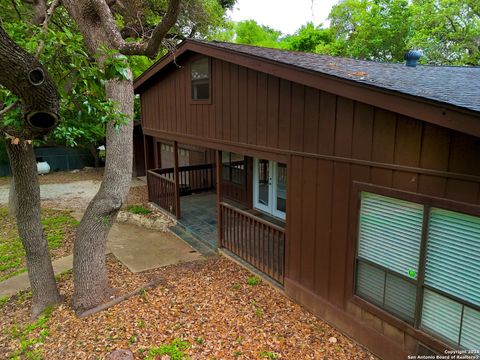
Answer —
280 190
262 184
270 187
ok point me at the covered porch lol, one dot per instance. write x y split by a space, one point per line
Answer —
214 203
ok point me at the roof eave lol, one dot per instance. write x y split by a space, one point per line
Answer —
443 114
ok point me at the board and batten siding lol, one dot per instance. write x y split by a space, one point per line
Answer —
329 142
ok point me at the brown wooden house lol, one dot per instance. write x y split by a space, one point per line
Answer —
353 185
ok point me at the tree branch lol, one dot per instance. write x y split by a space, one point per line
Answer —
151 47
48 16
16 9
25 77
8 108
40 9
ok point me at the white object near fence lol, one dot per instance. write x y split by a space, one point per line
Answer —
43 168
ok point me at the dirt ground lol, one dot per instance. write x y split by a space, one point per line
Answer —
207 306
64 176
74 190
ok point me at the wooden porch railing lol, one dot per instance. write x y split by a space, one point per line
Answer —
260 243
161 190
194 178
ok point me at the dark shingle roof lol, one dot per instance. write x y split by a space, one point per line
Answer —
454 85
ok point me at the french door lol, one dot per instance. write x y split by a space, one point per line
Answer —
270 187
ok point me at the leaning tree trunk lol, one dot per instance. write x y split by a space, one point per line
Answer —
89 271
97 25
39 265
24 76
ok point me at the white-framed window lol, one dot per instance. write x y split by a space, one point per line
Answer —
200 79
421 263
270 187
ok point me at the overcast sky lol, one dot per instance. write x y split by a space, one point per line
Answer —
284 15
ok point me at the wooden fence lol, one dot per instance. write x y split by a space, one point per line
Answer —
258 242
161 190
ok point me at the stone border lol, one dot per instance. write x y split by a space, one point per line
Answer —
157 220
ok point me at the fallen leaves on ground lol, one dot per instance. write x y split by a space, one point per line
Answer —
207 304
138 195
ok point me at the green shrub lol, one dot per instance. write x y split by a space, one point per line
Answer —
175 350
253 280
139 210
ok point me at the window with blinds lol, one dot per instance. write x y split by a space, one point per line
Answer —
390 233
439 292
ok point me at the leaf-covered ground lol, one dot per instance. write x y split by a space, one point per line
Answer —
205 310
59 229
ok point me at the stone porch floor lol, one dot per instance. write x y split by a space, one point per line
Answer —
199 216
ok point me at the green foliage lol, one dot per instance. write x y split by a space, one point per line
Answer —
250 33
133 339
373 30
84 109
253 280
31 337
3 300
115 65
448 31
176 350
139 210
3 153
308 38
12 254
268 355
55 227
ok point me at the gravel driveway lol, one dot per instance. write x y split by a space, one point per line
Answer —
77 193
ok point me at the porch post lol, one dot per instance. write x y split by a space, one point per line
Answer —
177 181
218 174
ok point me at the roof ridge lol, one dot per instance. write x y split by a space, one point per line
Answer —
214 42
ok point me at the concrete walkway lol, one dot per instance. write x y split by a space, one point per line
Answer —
141 249
20 282
137 248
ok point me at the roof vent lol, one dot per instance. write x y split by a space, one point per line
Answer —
412 57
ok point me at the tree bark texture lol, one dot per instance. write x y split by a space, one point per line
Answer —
89 271
24 76
39 265
91 286
98 27
12 200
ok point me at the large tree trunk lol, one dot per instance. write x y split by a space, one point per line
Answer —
23 75
40 270
97 24
90 274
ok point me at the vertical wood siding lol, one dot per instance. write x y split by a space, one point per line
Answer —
251 108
